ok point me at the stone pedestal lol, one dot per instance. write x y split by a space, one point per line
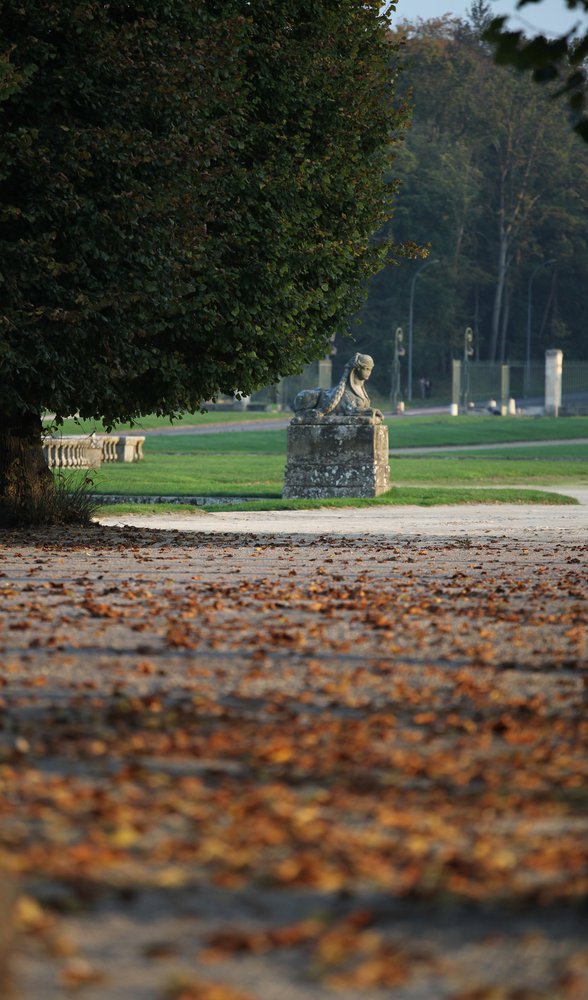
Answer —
336 456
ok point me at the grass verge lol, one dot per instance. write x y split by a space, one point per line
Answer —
398 496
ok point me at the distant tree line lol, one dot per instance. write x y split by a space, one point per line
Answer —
495 182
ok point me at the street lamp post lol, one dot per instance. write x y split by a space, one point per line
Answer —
527 380
399 353
410 318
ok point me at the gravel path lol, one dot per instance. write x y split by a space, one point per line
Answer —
301 759
525 521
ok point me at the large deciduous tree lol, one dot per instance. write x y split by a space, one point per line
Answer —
187 194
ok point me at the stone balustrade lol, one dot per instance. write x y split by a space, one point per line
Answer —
90 451
109 448
72 453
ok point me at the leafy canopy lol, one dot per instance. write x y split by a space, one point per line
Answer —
187 194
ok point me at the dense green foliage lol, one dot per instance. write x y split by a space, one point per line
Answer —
187 192
496 182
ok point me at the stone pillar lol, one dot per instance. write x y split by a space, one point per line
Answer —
504 389
129 448
455 387
553 372
336 456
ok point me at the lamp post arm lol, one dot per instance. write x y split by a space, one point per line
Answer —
416 275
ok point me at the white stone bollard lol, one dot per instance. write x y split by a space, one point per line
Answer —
553 372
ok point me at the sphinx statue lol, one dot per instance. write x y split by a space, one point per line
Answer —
337 443
347 398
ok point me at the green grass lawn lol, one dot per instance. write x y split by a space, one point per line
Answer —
251 463
405 432
439 431
274 443
261 475
449 470
237 442
230 474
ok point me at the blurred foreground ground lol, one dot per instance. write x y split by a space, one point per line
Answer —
300 765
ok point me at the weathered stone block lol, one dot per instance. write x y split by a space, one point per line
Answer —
337 456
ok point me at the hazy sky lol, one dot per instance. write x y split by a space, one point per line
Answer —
550 17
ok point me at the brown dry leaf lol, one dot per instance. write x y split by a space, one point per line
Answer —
78 972
99 609
191 988
179 637
30 917
230 941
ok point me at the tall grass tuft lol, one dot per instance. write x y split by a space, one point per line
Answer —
68 502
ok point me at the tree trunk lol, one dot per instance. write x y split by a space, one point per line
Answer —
550 304
498 307
501 276
26 484
505 318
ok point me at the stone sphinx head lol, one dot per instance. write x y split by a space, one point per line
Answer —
347 398
361 367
